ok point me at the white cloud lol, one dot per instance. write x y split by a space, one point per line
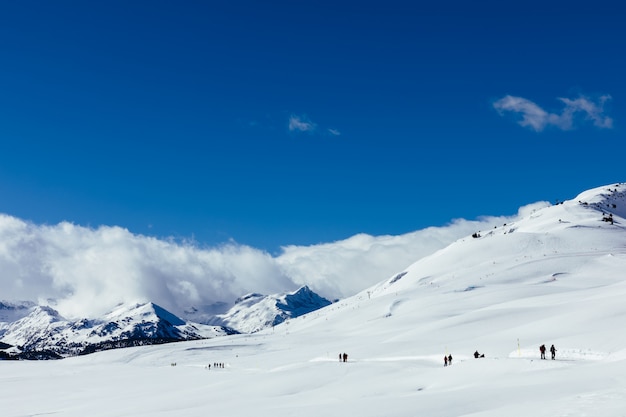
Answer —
301 124
592 111
334 132
89 271
536 118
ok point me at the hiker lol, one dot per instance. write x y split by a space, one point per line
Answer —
445 361
477 355
553 351
345 357
542 349
340 357
450 359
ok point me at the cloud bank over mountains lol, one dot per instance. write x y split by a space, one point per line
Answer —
85 272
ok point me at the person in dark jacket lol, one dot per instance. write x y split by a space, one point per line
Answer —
553 351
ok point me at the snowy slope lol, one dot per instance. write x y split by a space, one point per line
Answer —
555 276
562 260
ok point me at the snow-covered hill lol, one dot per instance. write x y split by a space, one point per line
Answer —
254 312
45 334
554 276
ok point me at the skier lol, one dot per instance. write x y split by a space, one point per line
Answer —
553 351
450 359
542 349
445 361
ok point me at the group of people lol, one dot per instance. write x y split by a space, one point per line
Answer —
447 360
542 350
216 365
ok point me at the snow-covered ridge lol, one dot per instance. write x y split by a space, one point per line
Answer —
254 312
608 199
45 333
548 234
41 332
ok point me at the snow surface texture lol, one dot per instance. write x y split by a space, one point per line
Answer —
553 277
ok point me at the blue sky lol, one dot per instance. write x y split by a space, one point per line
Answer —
280 123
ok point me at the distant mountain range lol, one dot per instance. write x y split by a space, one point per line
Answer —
549 245
29 331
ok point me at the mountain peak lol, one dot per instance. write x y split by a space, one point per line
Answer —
254 312
146 311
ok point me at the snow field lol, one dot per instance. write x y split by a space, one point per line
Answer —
557 278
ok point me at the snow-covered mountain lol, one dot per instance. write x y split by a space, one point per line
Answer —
41 332
44 333
254 312
554 276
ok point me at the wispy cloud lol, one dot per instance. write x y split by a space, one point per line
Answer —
536 118
301 124
89 271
